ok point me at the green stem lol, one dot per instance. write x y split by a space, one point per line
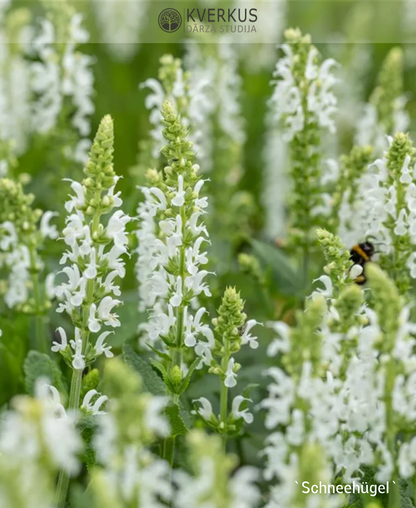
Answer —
224 394
41 343
177 356
169 450
63 478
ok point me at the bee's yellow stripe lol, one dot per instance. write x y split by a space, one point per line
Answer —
360 251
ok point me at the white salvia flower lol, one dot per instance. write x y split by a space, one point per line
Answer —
280 344
15 257
170 295
214 87
247 338
26 436
120 23
64 341
245 414
101 348
327 282
244 491
194 91
202 489
79 359
61 76
15 93
261 55
95 407
128 469
385 114
94 265
355 271
230 376
286 101
379 213
155 418
205 410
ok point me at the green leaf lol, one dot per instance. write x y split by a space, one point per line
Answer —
41 365
248 389
151 381
177 425
158 366
284 276
164 356
187 380
406 493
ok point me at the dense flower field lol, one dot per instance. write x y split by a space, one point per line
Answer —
207 266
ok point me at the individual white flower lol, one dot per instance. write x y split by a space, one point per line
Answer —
230 376
64 341
244 414
94 407
280 344
78 361
101 348
247 338
47 230
328 287
356 271
205 410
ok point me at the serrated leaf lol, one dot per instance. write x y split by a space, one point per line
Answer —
177 425
187 380
151 381
38 365
160 368
285 277
406 494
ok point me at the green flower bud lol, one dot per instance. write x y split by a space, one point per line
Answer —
230 316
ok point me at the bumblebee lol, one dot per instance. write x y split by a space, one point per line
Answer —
361 254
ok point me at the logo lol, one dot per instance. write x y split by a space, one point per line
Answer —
170 20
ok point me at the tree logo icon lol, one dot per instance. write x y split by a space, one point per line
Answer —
170 20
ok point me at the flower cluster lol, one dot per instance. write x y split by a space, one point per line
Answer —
23 231
120 23
127 473
302 104
232 330
344 385
62 78
37 437
211 482
339 271
347 193
188 95
385 209
94 255
385 113
172 241
15 92
222 127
